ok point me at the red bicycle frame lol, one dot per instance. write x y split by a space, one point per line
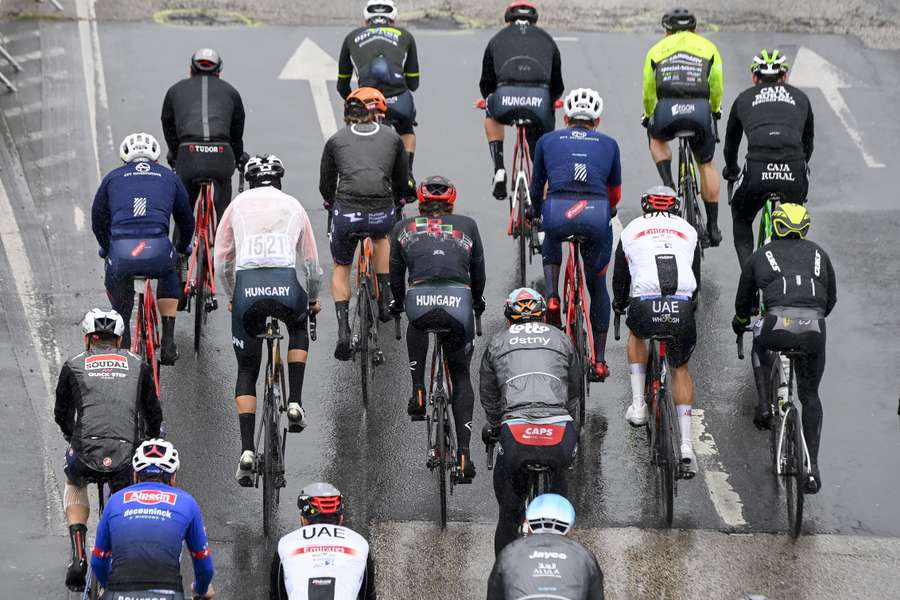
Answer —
146 329
204 234
521 162
575 277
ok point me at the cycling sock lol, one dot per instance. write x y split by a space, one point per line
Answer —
684 419
168 329
248 424
497 154
665 171
551 279
384 287
342 308
638 372
77 535
296 371
712 213
600 345
412 155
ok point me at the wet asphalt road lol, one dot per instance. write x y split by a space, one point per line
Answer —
377 457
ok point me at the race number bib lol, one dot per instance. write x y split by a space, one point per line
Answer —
267 250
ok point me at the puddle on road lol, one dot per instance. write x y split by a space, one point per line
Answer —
201 17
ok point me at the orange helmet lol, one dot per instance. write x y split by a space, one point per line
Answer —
370 97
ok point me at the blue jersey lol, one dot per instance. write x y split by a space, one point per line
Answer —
138 200
576 162
141 532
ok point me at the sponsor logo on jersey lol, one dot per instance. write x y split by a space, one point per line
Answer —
578 207
531 101
136 251
105 362
150 497
778 172
546 570
267 290
529 328
206 149
817 267
683 109
142 167
107 461
532 335
666 311
237 342
548 555
772 262
777 93
529 434
439 300
660 231
333 549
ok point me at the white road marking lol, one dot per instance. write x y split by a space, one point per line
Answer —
45 162
22 35
79 218
39 54
812 71
564 38
313 64
726 501
84 9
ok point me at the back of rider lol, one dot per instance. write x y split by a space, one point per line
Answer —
395 73
545 566
322 561
142 529
576 162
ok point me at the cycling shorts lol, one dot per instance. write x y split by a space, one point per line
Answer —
665 315
563 217
143 257
258 295
79 474
142 595
197 161
348 223
443 307
759 179
511 102
401 112
673 115
781 333
557 455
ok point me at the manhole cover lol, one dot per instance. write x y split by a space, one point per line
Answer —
198 17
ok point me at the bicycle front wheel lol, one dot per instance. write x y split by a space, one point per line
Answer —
582 354
795 475
365 315
269 454
199 297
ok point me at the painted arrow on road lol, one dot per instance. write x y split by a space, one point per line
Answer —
316 66
812 71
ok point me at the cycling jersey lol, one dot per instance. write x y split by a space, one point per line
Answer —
383 57
266 228
323 562
657 254
521 55
579 162
364 167
791 274
137 200
778 121
437 249
529 371
140 536
683 65
543 566
348 225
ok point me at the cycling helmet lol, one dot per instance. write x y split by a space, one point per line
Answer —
436 188
660 198
100 321
790 220
583 103
318 500
263 169
550 513
155 456
521 10
769 65
139 145
525 304
369 97
206 60
679 19
380 11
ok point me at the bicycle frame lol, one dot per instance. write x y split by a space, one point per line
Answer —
267 435
145 340
783 411
204 236
441 439
688 190
576 296
521 175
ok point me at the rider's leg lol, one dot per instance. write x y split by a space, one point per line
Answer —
120 292
761 360
596 254
221 196
168 293
459 357
810 369
742 228
637 365
509 488
248 350
77 507
409 143
683 394
495 133
417 349
383 275
662 156
298 351
551 253
709 191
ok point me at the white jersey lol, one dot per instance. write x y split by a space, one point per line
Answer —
653 235
266 228
329 559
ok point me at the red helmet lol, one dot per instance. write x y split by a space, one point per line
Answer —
660 198
436 188
521 10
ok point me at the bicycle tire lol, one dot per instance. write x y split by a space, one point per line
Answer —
363 347
663 447
794 477
199 297
442 466
268 460
282 406
775 418
582 355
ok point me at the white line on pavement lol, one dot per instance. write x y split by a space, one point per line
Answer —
316 66
22 35
564 38
79 218
85 12
39 54
726 501
52 160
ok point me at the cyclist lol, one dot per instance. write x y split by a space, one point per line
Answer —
656 277
799 289
583 174
384 57
102 395
203 123
130 219
521 78
142 529
364 173
323 558
529 375
683 91
445 258
778 120
547 563
264 240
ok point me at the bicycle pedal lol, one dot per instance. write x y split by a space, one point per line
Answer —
378 357
212 304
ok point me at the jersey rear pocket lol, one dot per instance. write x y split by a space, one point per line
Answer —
321 588
667 272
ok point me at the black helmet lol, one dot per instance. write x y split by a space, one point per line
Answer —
206 60
521 10
264 169
679 19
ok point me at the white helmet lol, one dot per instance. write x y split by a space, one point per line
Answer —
380 9
139 145
584 103
156 454
550 513
103 321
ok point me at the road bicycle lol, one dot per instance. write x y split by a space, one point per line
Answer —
787 444
663 434
578 320
688 188
200 284
441 454
92 589
145 341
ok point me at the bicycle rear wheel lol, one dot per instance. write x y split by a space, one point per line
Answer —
200 297
442 467
775 418
664 454
269 462
582 353
792 451
363 344
521 230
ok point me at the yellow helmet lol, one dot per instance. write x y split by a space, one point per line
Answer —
789 220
